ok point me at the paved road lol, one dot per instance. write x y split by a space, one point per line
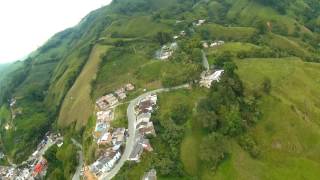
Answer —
132 130
76 175
205 60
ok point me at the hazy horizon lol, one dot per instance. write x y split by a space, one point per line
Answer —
26 25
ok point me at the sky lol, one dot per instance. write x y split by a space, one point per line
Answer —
27 24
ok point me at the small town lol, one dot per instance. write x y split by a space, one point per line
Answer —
35 167
110 140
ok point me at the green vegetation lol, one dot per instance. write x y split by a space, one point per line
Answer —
198 122
62 161
288 130
121 119
78 106
270 43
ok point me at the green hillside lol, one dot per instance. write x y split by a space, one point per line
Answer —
288 134
263 115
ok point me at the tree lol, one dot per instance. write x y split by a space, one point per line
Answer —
205 34
262 27
209 120
212 150
233 124
222 59
163 37
181 113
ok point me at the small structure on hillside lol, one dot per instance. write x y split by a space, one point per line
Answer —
40 166
106 139
205 44
118 136
183 33
146 128
208 77
121 93
151 175
107 101
199 22
106 162
166 51
217 43
129 87
105 116
141 144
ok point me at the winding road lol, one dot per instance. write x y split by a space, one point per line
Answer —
132 130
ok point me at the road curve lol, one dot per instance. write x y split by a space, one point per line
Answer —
132 130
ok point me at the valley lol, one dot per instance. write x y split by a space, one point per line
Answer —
236 84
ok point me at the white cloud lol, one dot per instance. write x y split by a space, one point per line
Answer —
27 24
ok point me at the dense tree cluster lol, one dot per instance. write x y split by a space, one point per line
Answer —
62 161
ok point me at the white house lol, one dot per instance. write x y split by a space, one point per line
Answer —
144 117
207 79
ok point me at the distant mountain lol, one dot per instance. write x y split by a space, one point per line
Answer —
274 40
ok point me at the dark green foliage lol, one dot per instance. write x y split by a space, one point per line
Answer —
226 110
62 161
212 150
262 27
163 37
181 114
249 144
167 162
280 5
205 34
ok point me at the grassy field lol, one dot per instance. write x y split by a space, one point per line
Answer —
229 33
132 27
77 105
286 44
120 117
245 12
288 134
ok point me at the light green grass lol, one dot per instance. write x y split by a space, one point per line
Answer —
229 33
132 27
286 44
120 117
288 133
77 105
233 47
246 12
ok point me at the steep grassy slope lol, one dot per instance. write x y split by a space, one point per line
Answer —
288 134
78 106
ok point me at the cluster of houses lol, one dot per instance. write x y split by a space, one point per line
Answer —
35 167
212 44
27 172
144 126
208 77
108 138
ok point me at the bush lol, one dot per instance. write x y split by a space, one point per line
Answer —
249 145
212 150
